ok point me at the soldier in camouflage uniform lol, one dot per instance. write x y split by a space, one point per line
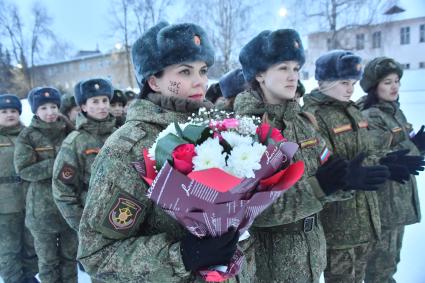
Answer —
289 240
130 96
36 148
18 261
118 101
389 129
69 108
145 244
351 226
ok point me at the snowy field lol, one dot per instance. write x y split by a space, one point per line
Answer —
412 266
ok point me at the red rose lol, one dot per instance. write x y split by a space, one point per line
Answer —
182 158
263 131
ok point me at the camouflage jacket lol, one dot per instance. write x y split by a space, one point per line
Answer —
144 245
398 203
35 151
306 197
72 168
12 187
355 221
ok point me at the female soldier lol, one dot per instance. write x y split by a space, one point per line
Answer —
69 108
398 203
72 168
18 261
171 63
36 148
351 226
117 104
289 240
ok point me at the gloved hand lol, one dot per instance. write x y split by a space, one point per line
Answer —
205 252
331 175
395 159
419 139
365 178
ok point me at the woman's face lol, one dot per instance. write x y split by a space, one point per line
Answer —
48 112
117 109
388 88
279 82
97 107
9 117
341 90
72 114
185 80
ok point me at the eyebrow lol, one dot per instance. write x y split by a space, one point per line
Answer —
190 66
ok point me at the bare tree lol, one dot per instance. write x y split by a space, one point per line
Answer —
148 13
334 16
228 23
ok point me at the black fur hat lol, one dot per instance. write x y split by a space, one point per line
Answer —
232 83
119 97
129 94
42 95
164 45
377 69
338 65
10 101
91 88
269 48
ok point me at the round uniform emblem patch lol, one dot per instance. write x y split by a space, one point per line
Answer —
46 94
197 40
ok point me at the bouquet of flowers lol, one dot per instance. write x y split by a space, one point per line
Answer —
213 173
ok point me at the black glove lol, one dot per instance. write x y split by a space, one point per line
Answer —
205 252
413 163
419 139
365 178
331 175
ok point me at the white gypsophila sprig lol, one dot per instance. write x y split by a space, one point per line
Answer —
244 160
170 129
247 126
235 139
209 154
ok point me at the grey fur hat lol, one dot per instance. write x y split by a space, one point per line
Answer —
377 69
338 65
10 101
232 83
163 45
91 88
269 48
42 95
67 103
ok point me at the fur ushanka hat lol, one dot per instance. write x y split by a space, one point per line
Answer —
10 101
164 45
91 88
338 65
42 95
269 48
377 69
67 103
119 96
232 83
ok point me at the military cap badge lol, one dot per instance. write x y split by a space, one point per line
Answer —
197 40
96 86
46 94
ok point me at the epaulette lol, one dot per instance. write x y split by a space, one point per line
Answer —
310 117
71 137
129 134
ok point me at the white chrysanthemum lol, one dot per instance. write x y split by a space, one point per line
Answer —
246 126
209 154
171 129
235 139
243 160
258 149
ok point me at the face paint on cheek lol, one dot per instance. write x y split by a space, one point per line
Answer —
174 87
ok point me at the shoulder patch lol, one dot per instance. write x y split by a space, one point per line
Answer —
308 143
123 215
67 173
71 137
324 155
342 129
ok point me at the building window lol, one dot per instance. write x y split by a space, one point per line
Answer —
376 39
405 35
360 41
421 65
406 66
422 33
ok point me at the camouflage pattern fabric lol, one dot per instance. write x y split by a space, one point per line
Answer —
72 168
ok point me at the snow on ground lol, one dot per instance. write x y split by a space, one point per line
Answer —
412 97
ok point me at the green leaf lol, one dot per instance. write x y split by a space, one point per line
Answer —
165 147
178 129
196 134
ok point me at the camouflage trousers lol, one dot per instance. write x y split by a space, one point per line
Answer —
289 257
347 265
18 260
382 264
57 254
